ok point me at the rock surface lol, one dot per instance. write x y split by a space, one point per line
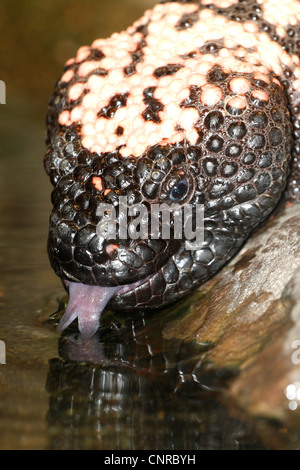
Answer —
248 317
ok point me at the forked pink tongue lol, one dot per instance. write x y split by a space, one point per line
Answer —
86 303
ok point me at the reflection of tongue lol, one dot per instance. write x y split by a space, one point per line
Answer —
86 303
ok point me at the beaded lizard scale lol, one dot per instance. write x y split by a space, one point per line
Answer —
197 102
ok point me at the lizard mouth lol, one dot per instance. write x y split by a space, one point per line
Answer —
87 304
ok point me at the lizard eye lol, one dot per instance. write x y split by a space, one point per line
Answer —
179 191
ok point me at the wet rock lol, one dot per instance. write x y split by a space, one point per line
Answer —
248 316
270 386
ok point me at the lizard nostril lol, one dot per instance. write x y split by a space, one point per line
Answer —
110 249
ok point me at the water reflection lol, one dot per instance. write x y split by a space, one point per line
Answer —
137 391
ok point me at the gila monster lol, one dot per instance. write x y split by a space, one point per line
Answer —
196 103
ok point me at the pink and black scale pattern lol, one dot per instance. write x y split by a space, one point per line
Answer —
201 92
